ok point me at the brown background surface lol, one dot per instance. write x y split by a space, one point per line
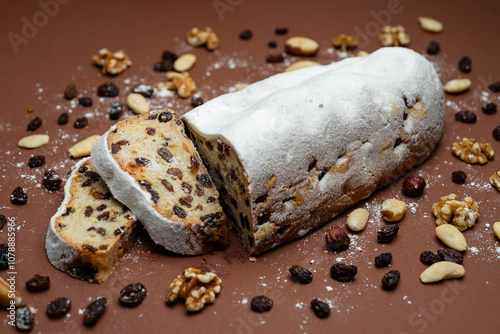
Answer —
59 52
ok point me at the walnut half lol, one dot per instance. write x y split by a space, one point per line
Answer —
473 151
464 213
196 287
394 36
181 82
112 63
495 180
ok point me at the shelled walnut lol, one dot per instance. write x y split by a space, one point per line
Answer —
394 36
472 151
111 62
495 180
464 213
197 37
181 82
345 42
196 287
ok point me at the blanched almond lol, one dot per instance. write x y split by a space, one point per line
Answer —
356 221
442 270
137 103
457 86
496 228
302 46
451 237
83 148
301 64
184 62
429 24
33 141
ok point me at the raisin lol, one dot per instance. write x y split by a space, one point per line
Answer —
94 311
464 65
320 308
36 161
101 207
88 211
383 260
465 117
204 180
89 248
211 199
3 221
179 212
496 133
108 89
70 92
166 154
116 110
261 304
144 90
81 122
86 271
169 55
489 108
4 256
450 255
272 44
458 177
154 195
132 295
141 162
275 58
194 164
34 124
51 180
246 35
199 190
25 321
164 66
433 48
145 184
387 234
93 176
58 307
38 283
186 187
281 31
103 216
176 172
82 169
167 185
390 280
152 117
196 101
118 231
151 131
495 87
115 148
63 118
85 101
18 196
428 257
212 220
301 274
343 272
165 117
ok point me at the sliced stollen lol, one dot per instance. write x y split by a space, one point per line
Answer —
150 165
91 231
292 151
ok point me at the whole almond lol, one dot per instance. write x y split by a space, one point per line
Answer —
451 237
442 270
301 46
4 295
362 53
301 64
184 62
496 228
431 25
457 86
33 141
356 221
83 148
137 103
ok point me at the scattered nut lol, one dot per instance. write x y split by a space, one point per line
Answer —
301 46
301 64
185 62
196 287
6 294
362 53
428 24
345 42
112 63
337 239
33 141
451 237
496 229
240 86
394 36
413 186
442 270
393 210
357 219
197 37
181 82
495 180
464 213
457 86
137 103
472 151
83 148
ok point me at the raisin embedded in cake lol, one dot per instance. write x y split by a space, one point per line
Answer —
91 231
151 166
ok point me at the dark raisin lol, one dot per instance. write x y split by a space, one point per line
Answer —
70 92
166 154
397 142
272 44
25 321
58 307
196 101
67 212
387 234
144 90
34 124
179 212
94 311
176 172
102 231
383 260
281 31
245 35
93 176
88 211
450 255
428 257
118 231
343 272
433 48
115 148
204 180
18 196
195 164
81 122
63 118
169 55
164 66
211 200
495 87
186 187
36 161
390 280
465 117
301 274
261 304
154 195
108 89
141 162
38 283
464 65
496 133
145 184
132 295
4 256
489 108
168 185
51 180
213 219
85 101
152 117
320 308
165 117
101 207
275 58
3 221
151 131
89 248
82 169
86 271
458 177
199 190
116 110
103 216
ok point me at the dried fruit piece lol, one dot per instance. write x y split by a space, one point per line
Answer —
429 24
496 133
387 234
281 31
472 151
58 307
343 272
464 213
137 103
70 92
25 321
301 64
272 44
383 260
393 210
18 196
390 280
51 180
3 222
261 304
116 110
464 65
337 239
275 58
301 274
489 108
144 90
196 101
450 255
36 161
428 257
108 89
394 36
85 101
83 148
94 311
132 295
457 86
345 42
442 270
6 294
495 180
185 62
33 141
357 219
413 186
246 35
451 237
320 308
63 118
34 124
4 256
465 117
38 283
458 177
301 46
81 122
112 63
494 87
433 48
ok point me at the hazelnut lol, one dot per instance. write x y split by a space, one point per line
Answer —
393 210
337 239
413 186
